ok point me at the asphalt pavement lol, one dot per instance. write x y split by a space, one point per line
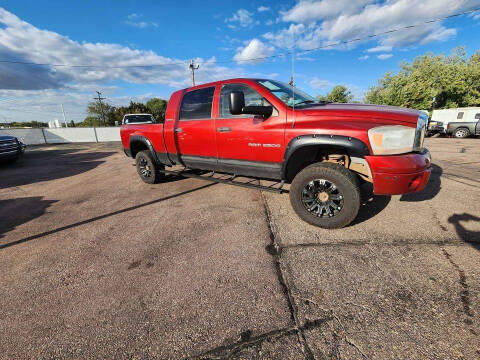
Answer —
96 264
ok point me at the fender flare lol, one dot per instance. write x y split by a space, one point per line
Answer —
353 146
144 140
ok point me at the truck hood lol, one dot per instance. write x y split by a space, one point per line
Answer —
364 112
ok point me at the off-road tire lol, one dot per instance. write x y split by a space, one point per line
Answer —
343 179
147 168
462 133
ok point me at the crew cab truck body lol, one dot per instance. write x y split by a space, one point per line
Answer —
10 148
266 129
465 128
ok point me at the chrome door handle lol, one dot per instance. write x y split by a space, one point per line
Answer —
178 130
223 129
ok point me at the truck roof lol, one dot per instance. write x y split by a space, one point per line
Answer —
214 83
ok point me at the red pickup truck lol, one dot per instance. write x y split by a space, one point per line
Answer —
266 129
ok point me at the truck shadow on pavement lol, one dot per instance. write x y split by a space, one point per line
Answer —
463 233
370 205
45 165
96 218
15 212
431 190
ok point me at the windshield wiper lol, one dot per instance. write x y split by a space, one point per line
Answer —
313 102
305 102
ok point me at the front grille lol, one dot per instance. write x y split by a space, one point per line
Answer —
8 146
420 132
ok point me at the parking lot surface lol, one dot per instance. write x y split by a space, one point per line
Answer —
96 264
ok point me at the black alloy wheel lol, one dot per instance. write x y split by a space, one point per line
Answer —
326 195
147 169
322 198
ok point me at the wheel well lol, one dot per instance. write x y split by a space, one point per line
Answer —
308 155
136 146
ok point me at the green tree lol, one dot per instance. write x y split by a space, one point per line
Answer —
156 106
431 81
94 110
339 94
27 124
91 121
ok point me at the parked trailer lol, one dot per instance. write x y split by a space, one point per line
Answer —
443 117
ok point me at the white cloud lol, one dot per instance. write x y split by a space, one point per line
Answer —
253 50
380 48
384 56
263 8
318 84
269 22
286 37
21 41
243 17
136 20
307 11
364 57
37 90
330 21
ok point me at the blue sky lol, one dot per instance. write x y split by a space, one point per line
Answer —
220 35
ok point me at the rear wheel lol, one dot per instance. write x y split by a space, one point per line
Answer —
462 133
325 195
147 169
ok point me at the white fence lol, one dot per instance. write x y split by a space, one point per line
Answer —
64 135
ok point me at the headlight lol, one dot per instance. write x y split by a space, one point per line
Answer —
391 139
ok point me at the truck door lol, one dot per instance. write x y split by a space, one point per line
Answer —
477 125
247 144
194 130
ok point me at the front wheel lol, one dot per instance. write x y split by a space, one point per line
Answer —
147 169
325 195
462 133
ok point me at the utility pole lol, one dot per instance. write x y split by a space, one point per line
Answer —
64 117
193 67
99 98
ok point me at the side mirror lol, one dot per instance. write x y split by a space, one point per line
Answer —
237 106
237 102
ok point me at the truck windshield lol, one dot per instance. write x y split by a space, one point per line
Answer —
286 93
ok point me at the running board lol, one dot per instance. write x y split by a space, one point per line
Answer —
229 181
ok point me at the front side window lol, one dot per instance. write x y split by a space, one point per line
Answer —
252 98
477 116
460 115
197 104
287 93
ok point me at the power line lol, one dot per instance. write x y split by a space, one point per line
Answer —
184 62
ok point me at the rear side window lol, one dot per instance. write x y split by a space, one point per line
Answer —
460 115
197 104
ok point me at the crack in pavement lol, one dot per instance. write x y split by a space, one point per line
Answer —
227 351
465 293
455 243
275 250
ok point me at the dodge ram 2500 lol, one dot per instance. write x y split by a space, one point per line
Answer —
266 129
